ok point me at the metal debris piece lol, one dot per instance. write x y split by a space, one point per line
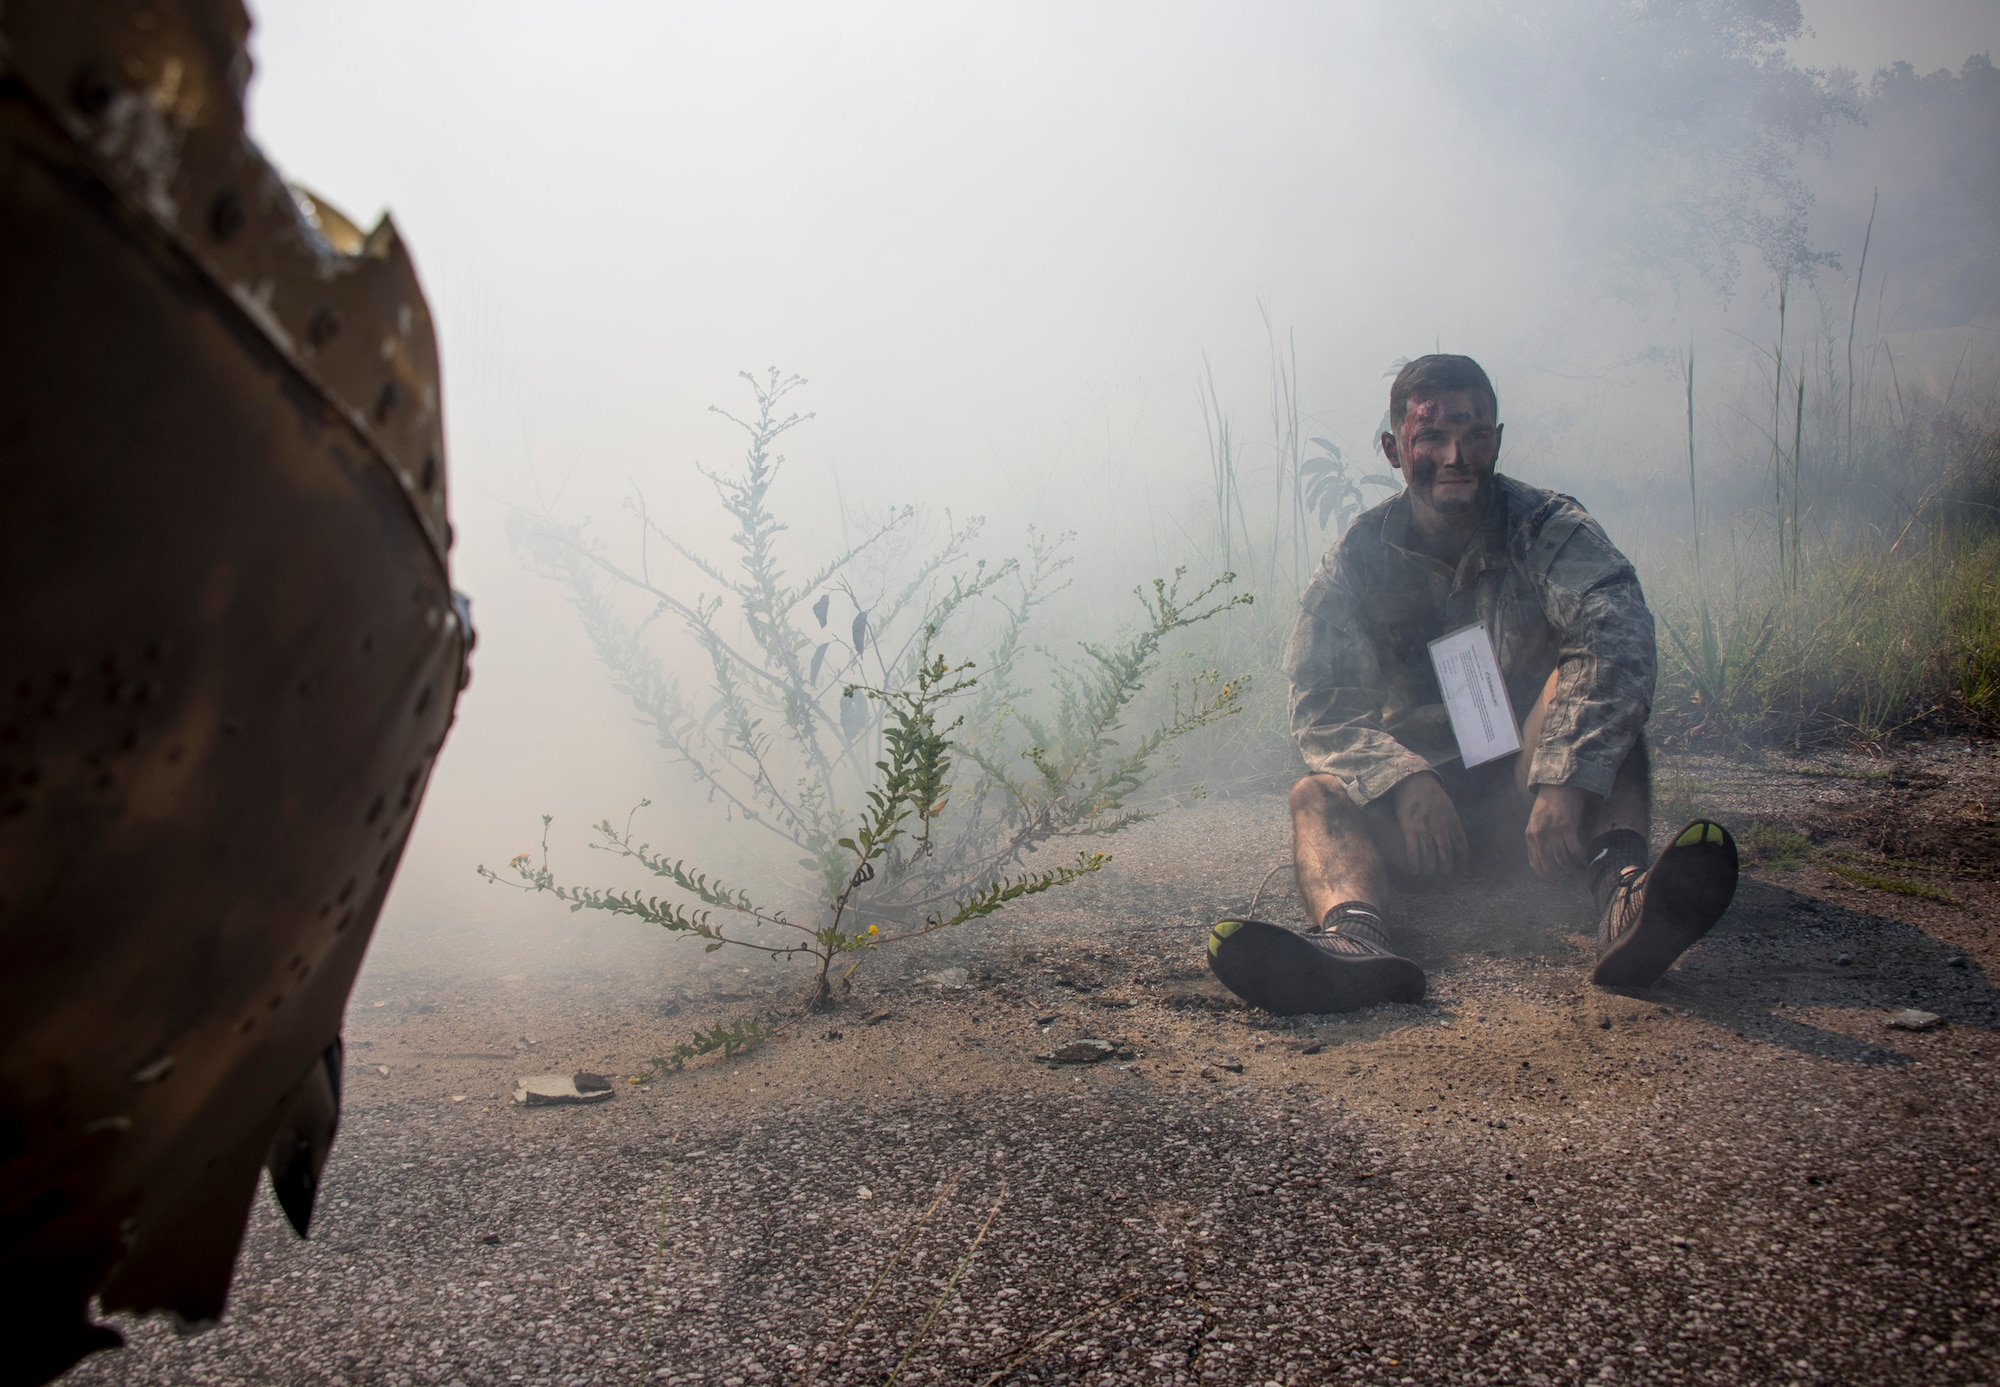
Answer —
230 650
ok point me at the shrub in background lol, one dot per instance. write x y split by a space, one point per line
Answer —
904 791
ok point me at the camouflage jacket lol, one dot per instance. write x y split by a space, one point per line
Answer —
1552 592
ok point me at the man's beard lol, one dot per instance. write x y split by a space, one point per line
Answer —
1457 502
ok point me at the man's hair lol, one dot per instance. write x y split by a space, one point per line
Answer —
1428 377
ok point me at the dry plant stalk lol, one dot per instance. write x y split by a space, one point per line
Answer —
839 1340
949 1287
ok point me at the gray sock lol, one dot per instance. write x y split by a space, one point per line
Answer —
1357 920
1608 855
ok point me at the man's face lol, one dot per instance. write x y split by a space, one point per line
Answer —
1446 451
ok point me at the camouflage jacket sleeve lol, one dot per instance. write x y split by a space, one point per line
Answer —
1606 660
1339 693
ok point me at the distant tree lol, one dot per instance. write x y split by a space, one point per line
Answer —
1929 143
1675 127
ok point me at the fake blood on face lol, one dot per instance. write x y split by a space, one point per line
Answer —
1447 452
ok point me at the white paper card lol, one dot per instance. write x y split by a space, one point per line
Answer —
1475 696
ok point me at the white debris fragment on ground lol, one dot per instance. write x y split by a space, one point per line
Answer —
540 1090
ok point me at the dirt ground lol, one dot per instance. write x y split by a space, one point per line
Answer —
1738 1176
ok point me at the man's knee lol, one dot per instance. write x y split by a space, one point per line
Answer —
1318 795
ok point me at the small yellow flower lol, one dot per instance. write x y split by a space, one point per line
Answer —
873 930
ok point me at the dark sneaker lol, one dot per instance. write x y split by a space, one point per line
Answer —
1656 914
1289 973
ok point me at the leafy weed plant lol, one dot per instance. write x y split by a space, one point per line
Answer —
737 1037
905 792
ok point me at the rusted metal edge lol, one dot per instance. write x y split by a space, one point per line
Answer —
383 237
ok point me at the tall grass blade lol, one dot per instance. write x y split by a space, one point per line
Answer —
1859 274
659 1257
1000 1373
945 1295
839 1340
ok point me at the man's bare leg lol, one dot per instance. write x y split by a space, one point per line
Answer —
1334 854
1630 803
1340 862
1650 914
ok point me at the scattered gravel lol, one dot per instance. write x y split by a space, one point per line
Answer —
1740 1175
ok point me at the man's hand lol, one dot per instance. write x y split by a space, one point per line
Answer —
1555 830
1432 835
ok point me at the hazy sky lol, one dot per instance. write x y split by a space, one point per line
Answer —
1862 34
993 236
998 240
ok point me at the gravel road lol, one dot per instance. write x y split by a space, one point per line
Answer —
1738 1176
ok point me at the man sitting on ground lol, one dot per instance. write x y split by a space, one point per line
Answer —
1388 792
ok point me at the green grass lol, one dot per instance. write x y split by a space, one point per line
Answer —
1875 639
1773 846
1862 601
1895 886
1961 870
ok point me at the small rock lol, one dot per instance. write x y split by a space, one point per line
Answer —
865 1193
1080 1052
1311 1049
1844 960
1045 1020
491 1240
1910 1019
383 1070
587 1082
878 1018
543 1090
1960 961
1234 1066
